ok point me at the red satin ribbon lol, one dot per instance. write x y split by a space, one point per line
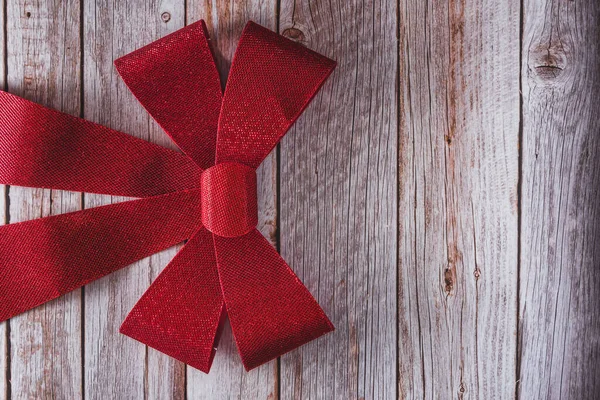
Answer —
207 196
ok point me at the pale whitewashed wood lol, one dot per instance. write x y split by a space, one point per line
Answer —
43 64
116 366
3 190
459 163
339 201
227 378
559 327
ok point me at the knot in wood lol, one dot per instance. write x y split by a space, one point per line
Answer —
449 278
229 199
549 63
294 34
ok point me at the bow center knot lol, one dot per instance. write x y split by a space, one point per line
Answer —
229 201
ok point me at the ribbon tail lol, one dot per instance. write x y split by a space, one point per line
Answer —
45 258
44 148
182 311
271 312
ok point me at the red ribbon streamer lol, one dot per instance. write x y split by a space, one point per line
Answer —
207 196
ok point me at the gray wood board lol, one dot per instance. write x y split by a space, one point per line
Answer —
459 169
339 201
559 301
45 343
117 366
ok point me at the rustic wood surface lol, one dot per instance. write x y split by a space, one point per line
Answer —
4 388
339 202
559 297
45 343
459 163
114 365
439 198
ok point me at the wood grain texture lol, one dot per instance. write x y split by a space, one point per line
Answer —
339 201
43 65
228 379
116 366
459 160
559 327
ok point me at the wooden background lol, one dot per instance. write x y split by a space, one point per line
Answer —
440 198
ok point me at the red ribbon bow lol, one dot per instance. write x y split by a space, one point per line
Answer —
207 196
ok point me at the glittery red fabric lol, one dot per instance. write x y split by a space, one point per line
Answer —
229 199
207 196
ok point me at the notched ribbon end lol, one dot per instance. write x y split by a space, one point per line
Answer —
202 358
270 310
182 313
324 327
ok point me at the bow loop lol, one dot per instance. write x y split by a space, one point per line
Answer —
271 81
266 302
176 80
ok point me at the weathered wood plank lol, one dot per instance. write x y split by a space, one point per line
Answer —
4 356
559 325
165 376
115 365
4 340
339 201
43 64
459 161
227 378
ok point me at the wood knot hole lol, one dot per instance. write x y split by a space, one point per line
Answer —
28 14
294 34
165 17
448 280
